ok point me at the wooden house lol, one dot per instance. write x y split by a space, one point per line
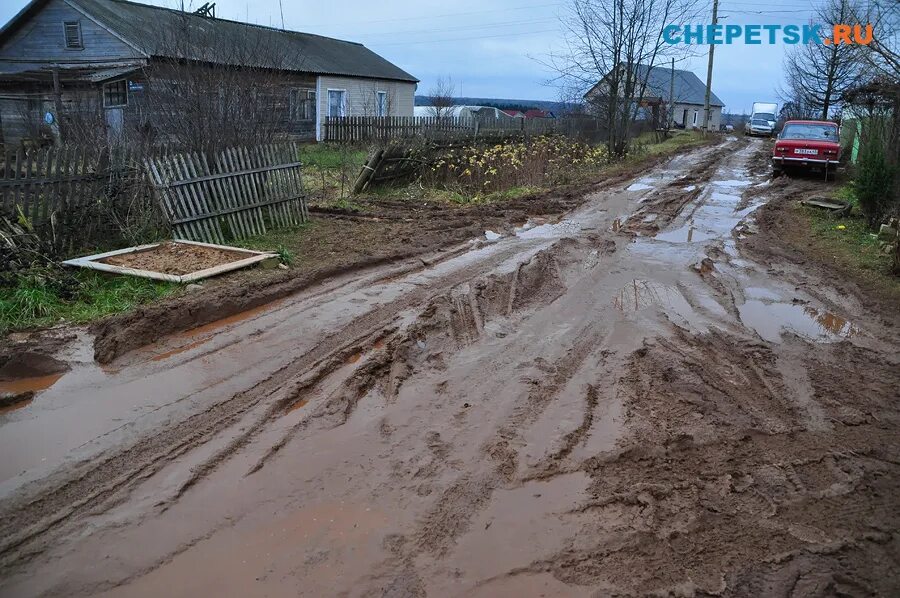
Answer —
129 70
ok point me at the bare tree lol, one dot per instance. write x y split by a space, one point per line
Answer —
218 89
882 54
611 45
378 99
441 98
817 74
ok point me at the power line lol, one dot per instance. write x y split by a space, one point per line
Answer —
448 29
459 39
451 14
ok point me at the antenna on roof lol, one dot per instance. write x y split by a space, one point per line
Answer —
207 10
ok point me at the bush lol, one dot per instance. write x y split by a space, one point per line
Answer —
539 162
874 183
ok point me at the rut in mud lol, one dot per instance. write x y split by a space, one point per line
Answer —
618 402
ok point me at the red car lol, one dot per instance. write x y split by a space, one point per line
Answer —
808 144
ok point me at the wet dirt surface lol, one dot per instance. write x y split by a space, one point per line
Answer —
628 400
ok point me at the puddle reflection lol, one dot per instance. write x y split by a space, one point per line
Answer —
34 385
771 319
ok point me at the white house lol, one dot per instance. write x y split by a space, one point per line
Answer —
687 102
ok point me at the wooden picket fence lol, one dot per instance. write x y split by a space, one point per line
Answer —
75 198
233 194
58 193
351 129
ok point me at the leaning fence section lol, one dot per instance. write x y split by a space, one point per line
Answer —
233 194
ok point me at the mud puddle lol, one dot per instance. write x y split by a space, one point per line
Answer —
772 319
197 337
26 386
715 218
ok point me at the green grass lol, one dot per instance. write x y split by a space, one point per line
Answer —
850 239
42 298
330 156
284 241
851 244
679 140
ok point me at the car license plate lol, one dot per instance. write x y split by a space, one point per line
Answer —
811 152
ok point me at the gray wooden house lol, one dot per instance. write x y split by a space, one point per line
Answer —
134 70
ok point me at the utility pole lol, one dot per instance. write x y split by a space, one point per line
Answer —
712 51
671 103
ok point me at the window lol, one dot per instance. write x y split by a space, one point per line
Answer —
72 31
381 106
337 102
695 118
812 132
302 104
115 93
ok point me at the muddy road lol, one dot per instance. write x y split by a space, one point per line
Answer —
626 401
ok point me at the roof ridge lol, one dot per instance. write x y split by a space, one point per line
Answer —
244 23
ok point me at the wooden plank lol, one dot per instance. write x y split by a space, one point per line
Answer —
202 228
253 190
20 159
246 193
206 195
178 201
4 190
273 187
216 187
230 188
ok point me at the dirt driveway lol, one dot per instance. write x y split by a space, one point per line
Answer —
628 401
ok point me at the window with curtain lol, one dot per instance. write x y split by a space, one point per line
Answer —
337 102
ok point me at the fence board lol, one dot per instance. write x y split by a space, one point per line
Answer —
241 191
350 129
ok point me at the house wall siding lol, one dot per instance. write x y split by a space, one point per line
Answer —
361 95
715 116
41 38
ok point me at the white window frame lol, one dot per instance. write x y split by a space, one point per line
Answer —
345 104
694 123
381 103
80 45
103 92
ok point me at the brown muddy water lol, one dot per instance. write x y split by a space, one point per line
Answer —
580 406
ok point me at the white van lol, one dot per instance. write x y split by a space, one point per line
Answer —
762 120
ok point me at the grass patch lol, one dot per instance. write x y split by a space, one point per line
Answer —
41 298
287 242
329 170
646 144
851 243
330 156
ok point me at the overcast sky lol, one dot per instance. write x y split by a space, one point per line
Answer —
494 48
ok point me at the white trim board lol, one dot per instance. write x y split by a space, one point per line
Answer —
93 262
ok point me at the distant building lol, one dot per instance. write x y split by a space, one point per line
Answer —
108 55
687 103
471 112
536 113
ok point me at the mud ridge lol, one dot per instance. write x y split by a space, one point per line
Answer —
63 498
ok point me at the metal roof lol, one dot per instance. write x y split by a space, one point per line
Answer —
688 87
168 33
